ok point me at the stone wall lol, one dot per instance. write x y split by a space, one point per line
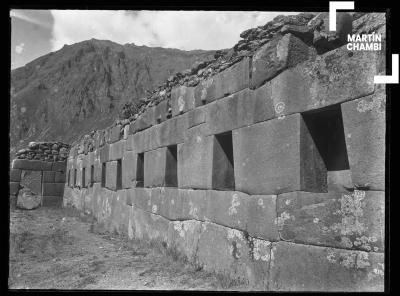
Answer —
39 171
270 171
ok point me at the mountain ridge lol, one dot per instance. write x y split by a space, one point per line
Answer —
82 86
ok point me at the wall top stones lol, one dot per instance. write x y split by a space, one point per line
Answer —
45 151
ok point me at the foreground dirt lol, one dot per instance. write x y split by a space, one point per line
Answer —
59 249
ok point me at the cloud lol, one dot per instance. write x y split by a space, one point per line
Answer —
185 30
19 48
24 15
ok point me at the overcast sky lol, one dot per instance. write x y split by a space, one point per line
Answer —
38 32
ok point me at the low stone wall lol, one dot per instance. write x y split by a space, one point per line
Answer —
270 172
40 171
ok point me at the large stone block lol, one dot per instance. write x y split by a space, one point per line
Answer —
227 82
32 180
114 134
33 165
277 156
365 128
183 236
160 167
230 252
117 150
111 175
261 221
14 188
228 208
164 202
129 166
15 175
196 116
139 198
161 111
119 213
297 267
149 227
240 109
48 176
195 160
59 166
105 153
182 99
275 56
355 220
193 204
145 120
335 77
170 132
53 189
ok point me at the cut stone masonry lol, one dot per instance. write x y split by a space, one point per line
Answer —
265 165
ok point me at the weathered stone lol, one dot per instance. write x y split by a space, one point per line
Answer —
129 166
364 126
126 132
116 150
105 153
240 109
160 168
52 201
182 99
48 176
335 77
161 111
183 236
275 56
231 80
119 213
114 134
229 252
227 208
14 187
277 156
302 32
149 227
111 175
32 180
297 267
170 132
195 160
326 40
355 220
53 189
145 120
140 198
196 116
15 175
28 200
261 222
34 165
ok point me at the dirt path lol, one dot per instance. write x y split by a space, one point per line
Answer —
58 249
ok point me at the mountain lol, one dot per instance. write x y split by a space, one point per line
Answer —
83 86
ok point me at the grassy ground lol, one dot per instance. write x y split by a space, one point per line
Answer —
62 249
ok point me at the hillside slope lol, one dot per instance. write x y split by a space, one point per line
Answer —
82 87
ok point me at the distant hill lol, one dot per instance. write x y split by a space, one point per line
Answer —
82 87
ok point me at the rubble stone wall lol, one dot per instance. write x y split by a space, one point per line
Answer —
40 169
271 171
